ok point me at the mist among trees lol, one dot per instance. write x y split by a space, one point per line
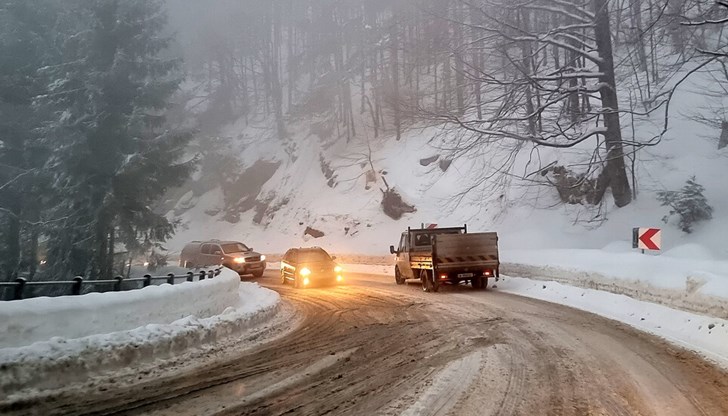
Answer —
100 99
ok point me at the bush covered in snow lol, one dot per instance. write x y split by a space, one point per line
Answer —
689 204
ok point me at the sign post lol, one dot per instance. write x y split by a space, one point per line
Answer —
647 239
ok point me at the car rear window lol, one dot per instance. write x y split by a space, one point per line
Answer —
234 248
313 256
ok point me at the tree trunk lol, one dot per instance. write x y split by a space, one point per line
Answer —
477 59
98 266
394 57
459 75
11 230
637 38
614 174
109 267
275 72
526 52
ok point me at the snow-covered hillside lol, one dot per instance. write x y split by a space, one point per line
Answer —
527 215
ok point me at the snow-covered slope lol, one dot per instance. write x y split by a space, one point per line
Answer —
525 214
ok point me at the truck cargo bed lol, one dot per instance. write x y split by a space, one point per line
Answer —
466 250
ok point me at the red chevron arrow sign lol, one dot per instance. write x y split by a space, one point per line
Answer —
647 238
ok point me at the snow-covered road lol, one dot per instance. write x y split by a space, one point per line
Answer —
372 347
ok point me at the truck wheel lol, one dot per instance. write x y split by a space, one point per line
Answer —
296 282
283 278
477 282
435 285
427 285
398 276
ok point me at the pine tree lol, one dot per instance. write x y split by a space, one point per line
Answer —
689 204
114 159
25 46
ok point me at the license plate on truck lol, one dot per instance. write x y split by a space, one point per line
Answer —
465 274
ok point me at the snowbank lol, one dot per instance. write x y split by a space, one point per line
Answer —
60 361
40 319
689 282
705 335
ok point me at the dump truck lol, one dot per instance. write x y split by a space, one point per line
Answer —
439 256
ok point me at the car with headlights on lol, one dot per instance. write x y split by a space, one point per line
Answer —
231 254
307 267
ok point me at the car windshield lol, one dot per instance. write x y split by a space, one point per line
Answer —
234 248
314 256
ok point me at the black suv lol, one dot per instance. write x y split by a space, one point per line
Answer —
231 254
307 267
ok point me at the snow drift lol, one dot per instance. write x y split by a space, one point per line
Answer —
27 321
54 363
695 284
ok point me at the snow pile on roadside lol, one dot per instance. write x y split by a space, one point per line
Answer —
27 321
702 334
60 361
684 277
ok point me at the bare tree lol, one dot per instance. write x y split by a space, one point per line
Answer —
534 96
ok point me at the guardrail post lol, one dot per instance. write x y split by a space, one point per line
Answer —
210 274
202 275
147 280
117 285
19 287
190 277
170 278
217 272
77 283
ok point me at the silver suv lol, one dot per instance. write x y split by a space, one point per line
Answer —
231 254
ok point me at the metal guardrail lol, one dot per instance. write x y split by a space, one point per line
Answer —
78 283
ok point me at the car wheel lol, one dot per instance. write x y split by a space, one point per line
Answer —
398 276
188 265
258 274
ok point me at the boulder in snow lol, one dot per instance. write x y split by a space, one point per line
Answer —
313 232
429 160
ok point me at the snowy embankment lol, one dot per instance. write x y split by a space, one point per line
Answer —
681 278
151 323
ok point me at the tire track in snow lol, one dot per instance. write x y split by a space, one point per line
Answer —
447 387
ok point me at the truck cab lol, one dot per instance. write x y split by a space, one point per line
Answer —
416 244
